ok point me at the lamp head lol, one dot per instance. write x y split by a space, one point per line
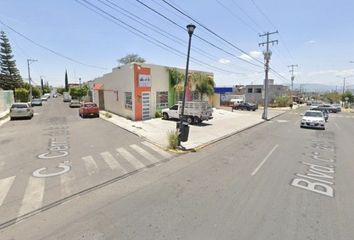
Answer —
190 28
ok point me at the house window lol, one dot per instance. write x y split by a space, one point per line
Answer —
258 90
128 100
250 90
161 99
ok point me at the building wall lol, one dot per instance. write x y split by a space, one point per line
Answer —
6 100
273 92
119 81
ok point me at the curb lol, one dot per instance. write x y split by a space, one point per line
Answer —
4 120
232 134
195 149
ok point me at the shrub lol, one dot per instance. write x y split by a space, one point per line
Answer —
158 114
283 101
107 115
21 95
172 139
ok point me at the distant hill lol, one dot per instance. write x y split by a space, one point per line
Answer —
318 87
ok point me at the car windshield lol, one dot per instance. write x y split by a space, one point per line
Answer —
90 105
313 114
19 105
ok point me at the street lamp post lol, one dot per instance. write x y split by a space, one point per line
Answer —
29 61
190 29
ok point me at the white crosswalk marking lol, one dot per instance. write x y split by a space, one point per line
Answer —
130 158
90 165
5 185
112 162
144 153
157 149
67 183
33 197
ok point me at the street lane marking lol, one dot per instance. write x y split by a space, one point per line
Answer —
157 149
5 185
90 165
112 162
130 158
264 160
33 197
144 153
337 125
282 121
66 182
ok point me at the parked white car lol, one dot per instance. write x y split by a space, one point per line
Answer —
21 110
313 119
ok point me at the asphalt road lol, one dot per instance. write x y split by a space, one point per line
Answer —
57 155
274 181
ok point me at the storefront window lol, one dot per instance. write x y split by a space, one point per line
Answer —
161 99
128 100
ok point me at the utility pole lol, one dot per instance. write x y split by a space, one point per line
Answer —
292 75
29 61
343 85
42 84
267 54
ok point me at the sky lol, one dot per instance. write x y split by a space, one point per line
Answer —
316 35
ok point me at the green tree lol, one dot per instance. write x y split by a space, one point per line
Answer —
10 77
349 95
283 101
21 95
46 88
66 81
204 83
130 58
78 93
176 79
36 91
60 90
332 97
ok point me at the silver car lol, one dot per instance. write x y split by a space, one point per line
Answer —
74 103
21 110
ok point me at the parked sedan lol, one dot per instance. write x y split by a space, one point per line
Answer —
89 109
327 107
313 119
21 110
74 103
36 102
246 106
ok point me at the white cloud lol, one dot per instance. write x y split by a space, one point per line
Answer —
245 57
224 61
311 42
251 55
256 54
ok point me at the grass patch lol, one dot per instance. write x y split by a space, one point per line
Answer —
107 115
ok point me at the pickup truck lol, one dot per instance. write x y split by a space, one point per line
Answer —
194 112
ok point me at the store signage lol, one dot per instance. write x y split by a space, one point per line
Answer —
144 80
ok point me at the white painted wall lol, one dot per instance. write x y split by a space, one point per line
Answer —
121 80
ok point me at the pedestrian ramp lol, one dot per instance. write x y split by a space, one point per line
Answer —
21 195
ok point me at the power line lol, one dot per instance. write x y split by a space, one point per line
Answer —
153 27
245 13
236 16
272 24
215 34
159 30
147 37
48 49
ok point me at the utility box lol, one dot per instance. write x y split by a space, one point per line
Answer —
184 132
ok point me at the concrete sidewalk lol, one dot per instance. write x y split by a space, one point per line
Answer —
224 124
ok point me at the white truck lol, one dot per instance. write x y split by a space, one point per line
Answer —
66 97
194 112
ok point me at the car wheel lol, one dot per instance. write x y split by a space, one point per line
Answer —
254 110
197 120
165 116
190 120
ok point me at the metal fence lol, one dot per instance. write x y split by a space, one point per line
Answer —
6 100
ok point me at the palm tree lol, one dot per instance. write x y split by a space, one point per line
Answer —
176 82
204 84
